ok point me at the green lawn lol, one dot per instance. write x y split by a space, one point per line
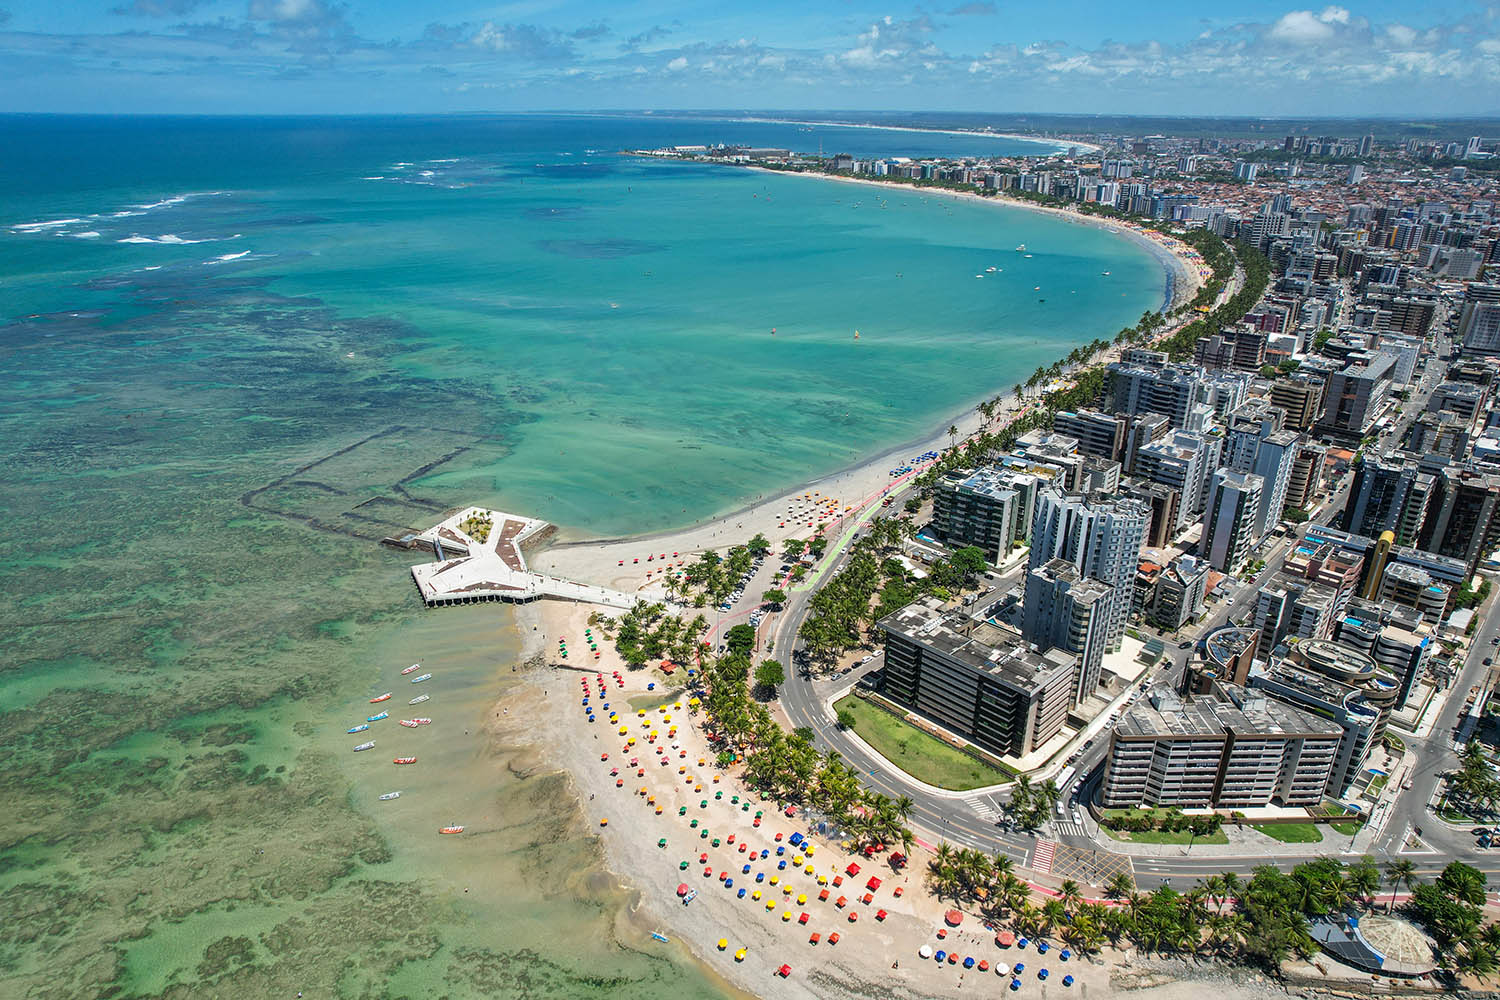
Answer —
1348 827
1163 837
920 755
1291 833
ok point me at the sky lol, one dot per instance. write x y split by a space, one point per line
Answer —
1063 56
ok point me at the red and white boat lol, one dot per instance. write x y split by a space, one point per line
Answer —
404 760
410 723
379 698
422 721
451 829
410 669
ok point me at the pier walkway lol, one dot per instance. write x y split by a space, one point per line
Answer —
492 566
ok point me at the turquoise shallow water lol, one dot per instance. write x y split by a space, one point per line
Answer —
237 353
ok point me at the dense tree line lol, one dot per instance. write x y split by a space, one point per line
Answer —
1260 919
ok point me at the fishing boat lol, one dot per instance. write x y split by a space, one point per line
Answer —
379 698
414 666
377 718
1106 274
390 795
1021 248
659 936
450 829
360 728
410 723
402 760
365 746
419 699
422 720
424 677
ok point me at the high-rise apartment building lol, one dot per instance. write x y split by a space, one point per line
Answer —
1234 500
1237 750
980 681
1101 536
1067 610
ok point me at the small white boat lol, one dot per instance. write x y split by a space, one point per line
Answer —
360 728
419 699
414 666
365 746
424 677
1021 248
390 795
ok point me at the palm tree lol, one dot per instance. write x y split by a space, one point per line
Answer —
1231 885
1398 873
1120 885
952 435
1053 914
1070 895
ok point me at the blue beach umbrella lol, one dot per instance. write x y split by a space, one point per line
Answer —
1015 984
1067 980
968 962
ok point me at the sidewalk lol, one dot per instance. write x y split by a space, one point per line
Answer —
1243 841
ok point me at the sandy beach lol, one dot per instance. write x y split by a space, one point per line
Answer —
680 797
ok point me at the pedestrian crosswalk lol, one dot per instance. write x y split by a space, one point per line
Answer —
1041 858
1066 827
984 806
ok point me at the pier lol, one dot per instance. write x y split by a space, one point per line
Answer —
480 557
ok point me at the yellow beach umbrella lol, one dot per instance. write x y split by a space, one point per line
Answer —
723 943
770 905
739 956
755 895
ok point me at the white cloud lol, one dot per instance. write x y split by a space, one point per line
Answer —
678 64
1303 27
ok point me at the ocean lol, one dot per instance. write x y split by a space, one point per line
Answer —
238 352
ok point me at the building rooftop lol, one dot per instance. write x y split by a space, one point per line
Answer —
996 650
1242 713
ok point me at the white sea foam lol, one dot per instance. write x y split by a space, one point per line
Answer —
152 267
228 256
379 178
170 238
36 227
429 173
92 234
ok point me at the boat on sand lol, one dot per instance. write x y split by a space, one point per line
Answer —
390 795
402 760
365 746
379 698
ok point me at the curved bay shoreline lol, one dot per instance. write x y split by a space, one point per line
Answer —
628 850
